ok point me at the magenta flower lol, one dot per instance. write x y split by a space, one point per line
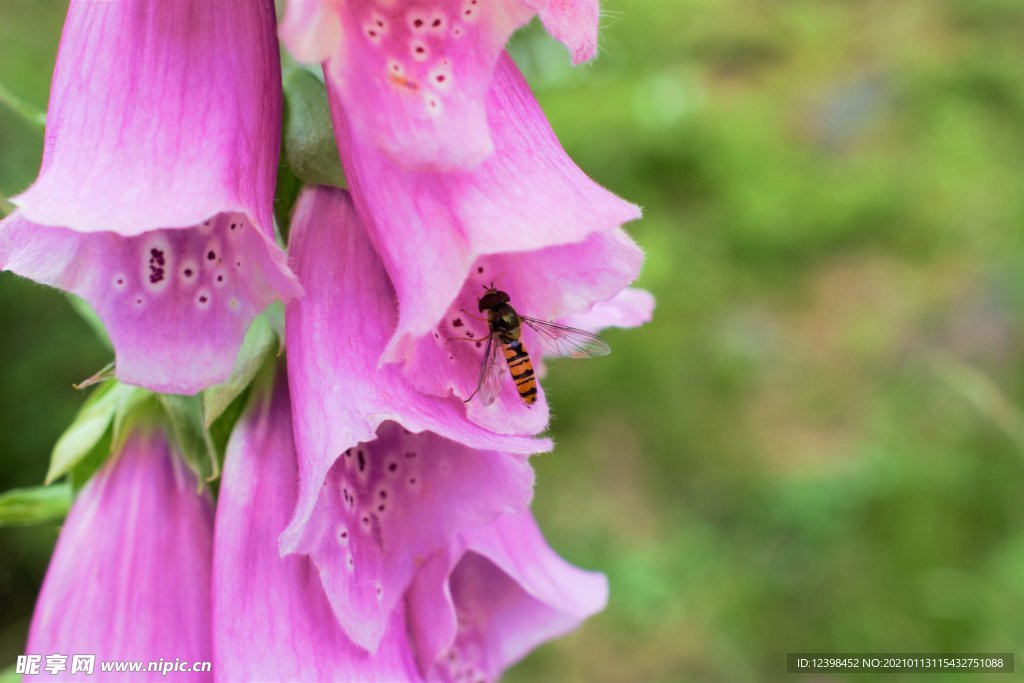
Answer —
527 219
414 75
130 577
154 198
485 597
390 434
272 620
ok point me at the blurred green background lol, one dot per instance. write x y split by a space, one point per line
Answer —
818 445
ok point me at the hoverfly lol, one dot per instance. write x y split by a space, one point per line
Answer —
504 331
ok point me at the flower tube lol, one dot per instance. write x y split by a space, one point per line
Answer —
154 200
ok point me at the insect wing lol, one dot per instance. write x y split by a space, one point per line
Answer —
566 341
492 372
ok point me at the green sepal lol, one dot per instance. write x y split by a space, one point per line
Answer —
184 418
262 341
308 145
35 505
108 401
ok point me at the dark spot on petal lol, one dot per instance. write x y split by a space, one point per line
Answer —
210 255
188 272
437 22
457 322
392 467
480 269
383 494
439 78
417 23
478 345
362 461
203 299
381 507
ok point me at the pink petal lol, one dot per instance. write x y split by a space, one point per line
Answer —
164 117
312 29
336 335
130 577
631 307
175 302
479 609
575 23
389 503
162 114
413 75
272 619
527 218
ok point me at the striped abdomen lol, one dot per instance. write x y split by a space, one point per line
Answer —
522 371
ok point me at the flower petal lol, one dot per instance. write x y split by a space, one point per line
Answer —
272 619
574 23
632 307
176 302
130 577
413 75
335 337
312 29
527 219
164 117
482 607
392 501
161 114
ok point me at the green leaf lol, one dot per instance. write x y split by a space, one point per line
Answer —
308 142
185 417
83 309
90 425
260 342
22 507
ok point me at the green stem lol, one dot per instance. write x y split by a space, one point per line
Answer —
27 112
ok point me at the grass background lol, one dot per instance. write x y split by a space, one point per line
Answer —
818 445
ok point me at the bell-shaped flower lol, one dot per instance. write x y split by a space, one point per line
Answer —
526 219
130 577
414 75
272 620
488 594
499 592
154 200
386 474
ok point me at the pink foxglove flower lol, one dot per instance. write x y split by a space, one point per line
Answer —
386 474
130 577
414 74
527 219
154 198
489 594
272 620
